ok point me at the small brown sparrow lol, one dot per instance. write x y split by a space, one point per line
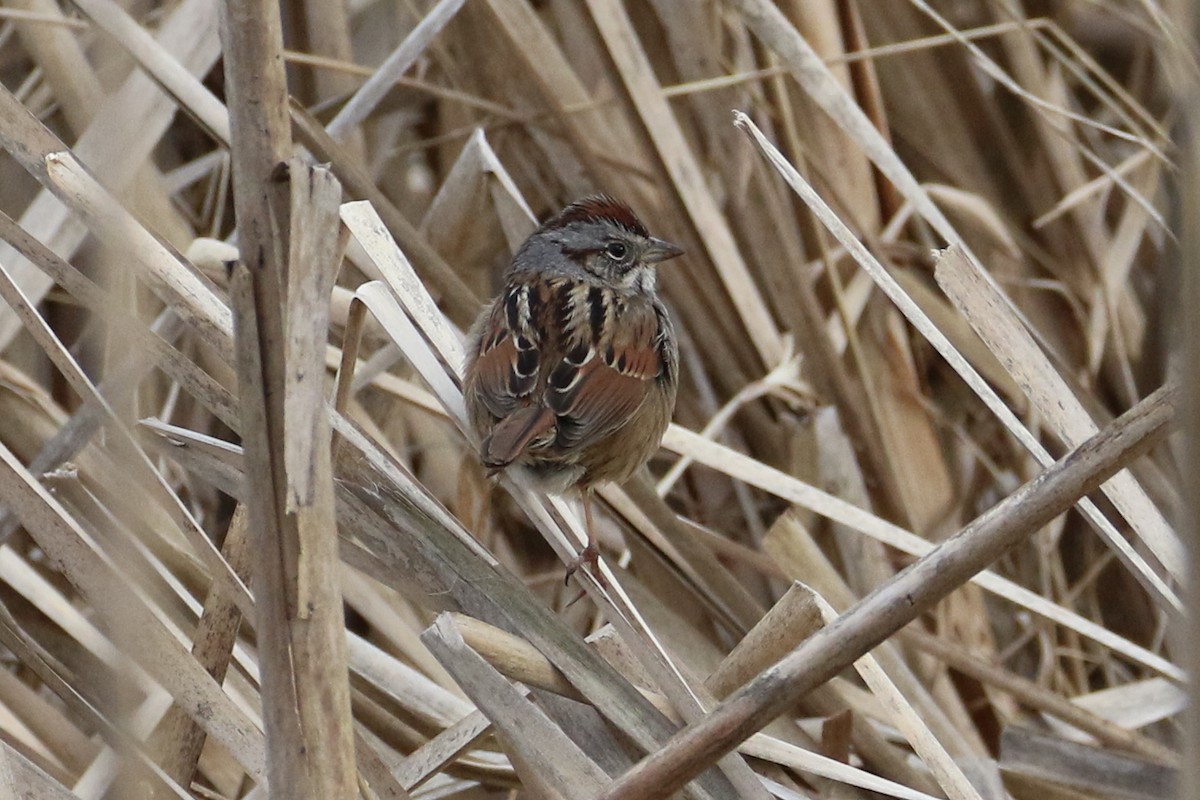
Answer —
572 370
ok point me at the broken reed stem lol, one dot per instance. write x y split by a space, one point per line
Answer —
459 301
178 741
280 292
900 600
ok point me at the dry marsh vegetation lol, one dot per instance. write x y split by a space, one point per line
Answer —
919 529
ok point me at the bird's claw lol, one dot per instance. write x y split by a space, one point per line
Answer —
590 556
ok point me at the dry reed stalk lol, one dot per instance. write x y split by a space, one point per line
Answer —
287 223
848 400
904 598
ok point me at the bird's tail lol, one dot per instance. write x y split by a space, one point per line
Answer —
513 434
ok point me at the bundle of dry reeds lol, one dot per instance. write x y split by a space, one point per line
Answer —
917 531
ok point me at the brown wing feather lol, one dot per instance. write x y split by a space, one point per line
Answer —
513 434
594 398
551 372
504 357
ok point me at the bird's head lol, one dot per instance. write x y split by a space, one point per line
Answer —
604 238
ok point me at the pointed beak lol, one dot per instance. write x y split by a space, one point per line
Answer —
661 250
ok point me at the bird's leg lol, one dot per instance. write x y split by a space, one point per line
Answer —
590 554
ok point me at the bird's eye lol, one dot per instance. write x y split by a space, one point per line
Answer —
616 250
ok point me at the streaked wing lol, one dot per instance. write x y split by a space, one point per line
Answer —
580 351
598 384
505 364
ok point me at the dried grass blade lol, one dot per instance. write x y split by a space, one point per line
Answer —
1029 693
51 673
314 255
770 25
27 582
788 755
907 720
900 600
1098 773
62 737
306 696
178 741
1055 401
742 467
123 440
119 138
394 267
518 660
538 743
944 347
162 270
476 178
173 77
395 65
424 762
150 643
25 779
459 300
680 163
1086 192
300 614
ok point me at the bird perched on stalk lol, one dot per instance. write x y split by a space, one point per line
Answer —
572 370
